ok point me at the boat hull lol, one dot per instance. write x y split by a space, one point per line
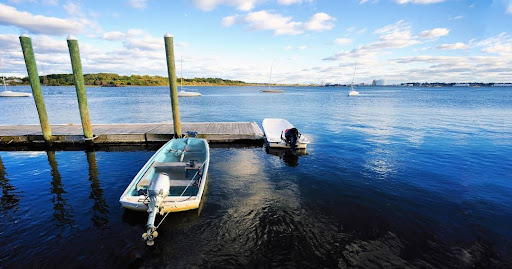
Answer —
14 94
188 94
283 145
272 91
274 131
133 200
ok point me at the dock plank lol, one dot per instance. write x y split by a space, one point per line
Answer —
132 133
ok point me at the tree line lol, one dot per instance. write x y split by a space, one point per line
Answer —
111 79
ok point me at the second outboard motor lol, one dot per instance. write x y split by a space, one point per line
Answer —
291 136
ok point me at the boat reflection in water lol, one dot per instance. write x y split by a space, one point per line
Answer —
289 157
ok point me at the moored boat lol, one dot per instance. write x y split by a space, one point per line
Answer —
279 133
14 94
183 93
273 91
353 92
172 180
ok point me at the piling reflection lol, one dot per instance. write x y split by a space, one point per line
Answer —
100 208
10 198
62 212
289 157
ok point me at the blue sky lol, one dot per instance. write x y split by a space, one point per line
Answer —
305 41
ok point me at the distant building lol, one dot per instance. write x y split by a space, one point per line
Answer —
502 85
16 80
380 82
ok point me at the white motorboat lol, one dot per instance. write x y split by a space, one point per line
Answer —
279 133
14 94
353 92
172 180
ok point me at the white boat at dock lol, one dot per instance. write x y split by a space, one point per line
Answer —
279 133
172 180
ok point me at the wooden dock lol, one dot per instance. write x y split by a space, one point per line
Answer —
137 133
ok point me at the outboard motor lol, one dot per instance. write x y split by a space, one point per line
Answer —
158 190
291 136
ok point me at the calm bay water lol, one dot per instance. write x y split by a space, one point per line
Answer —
396 177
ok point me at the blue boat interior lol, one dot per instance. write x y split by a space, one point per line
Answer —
182 160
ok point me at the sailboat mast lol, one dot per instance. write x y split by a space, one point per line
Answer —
270 78
5 87
354 76
181 71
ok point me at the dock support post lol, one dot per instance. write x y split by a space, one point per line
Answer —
171 70
76 64
30 62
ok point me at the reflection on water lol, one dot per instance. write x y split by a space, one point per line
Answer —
100 208
10 196
62 212
289 157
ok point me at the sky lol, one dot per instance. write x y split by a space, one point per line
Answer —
303 41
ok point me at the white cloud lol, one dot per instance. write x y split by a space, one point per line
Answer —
114 36
291 2
418 1
117 35
509 9
229 20
319 22
138 4
44 2
393 36
434 33
454 46
244 5
500 44
263 20
295 48
38 24
457 18
343 41
72 9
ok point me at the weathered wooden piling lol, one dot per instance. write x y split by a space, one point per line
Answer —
76 64
171 70
30 62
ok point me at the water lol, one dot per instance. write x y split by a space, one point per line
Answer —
396 177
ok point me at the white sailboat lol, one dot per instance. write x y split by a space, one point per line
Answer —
182 92
353 92
269 84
